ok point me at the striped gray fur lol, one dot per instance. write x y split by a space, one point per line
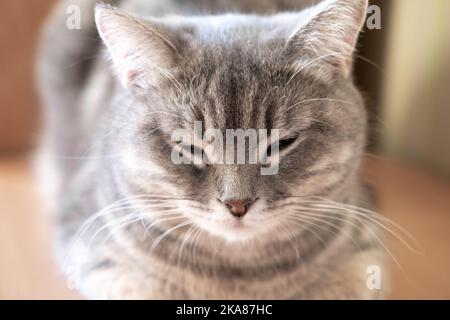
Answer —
250 64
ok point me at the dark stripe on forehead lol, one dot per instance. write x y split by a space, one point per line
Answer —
239 88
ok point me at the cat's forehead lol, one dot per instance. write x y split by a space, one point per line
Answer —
241 83
234 88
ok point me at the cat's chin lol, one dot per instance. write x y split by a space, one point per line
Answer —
234 231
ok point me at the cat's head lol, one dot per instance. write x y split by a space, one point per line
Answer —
289 73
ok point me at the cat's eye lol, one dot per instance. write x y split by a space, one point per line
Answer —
192 150
286 143
283 144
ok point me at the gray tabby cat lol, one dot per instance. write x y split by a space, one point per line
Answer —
132 224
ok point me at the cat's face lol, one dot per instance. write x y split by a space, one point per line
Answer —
247 73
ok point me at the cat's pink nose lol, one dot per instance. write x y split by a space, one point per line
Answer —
238 208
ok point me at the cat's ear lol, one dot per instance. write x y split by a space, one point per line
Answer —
142 51
326 40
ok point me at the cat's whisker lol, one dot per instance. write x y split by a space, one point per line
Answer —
379 241
124 219
118 206
330 207
375 218
109 211
150 132
344 211
370 62
117 227
316 60
320 122
175 216
166 233
318 100
111 224
83 228
118 224
113 156
82 60
167 75
305 223
195 246
291 241
186 239
321 219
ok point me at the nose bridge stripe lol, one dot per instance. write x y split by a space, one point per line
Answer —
236 183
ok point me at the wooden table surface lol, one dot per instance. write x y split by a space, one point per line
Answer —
415 200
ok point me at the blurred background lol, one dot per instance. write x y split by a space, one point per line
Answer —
403 70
